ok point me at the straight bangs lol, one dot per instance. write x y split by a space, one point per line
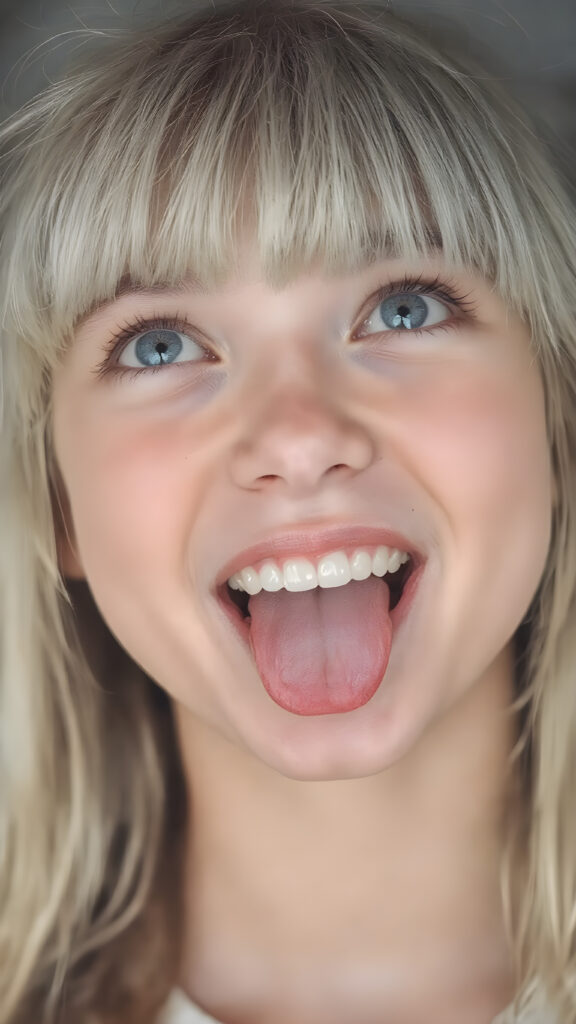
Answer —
320 142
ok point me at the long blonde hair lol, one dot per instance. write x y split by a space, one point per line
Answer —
333 133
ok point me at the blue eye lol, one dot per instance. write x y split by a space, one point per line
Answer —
406 311
158 347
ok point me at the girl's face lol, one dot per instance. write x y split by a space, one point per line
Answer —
399 406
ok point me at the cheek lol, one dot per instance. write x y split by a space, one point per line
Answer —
132 489
484 453
136 489
482 445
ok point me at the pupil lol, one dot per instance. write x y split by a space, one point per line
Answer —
404 312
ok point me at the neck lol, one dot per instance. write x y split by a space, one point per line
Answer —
381 877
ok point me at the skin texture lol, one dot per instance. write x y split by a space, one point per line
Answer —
324 846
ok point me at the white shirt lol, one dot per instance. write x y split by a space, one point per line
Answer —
179 1010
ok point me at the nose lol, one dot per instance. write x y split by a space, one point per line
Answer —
297 439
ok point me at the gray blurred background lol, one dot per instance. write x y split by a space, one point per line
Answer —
532 42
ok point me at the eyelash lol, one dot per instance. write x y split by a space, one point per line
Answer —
436 288
130 330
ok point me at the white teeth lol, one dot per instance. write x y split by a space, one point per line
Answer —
271 577
250 580
360 565
299 575
380 562
394 560
333 570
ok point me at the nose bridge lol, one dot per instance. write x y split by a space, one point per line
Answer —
299 401
300 416
298 429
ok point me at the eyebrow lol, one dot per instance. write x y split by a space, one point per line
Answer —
127 285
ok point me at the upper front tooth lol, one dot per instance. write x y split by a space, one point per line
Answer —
300 574
334 570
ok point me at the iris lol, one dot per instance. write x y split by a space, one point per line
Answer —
404 312
156 347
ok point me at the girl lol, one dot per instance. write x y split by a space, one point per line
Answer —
288 557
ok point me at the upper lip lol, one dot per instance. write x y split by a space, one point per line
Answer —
316 542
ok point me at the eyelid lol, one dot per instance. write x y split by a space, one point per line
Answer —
138 325
442 289
438 288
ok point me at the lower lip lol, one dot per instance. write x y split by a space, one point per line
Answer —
397 615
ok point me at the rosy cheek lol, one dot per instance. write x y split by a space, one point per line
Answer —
479 434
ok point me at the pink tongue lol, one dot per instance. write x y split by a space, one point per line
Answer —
322 652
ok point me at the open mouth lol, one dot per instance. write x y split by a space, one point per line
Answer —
399 583
321 631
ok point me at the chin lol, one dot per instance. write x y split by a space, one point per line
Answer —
322 748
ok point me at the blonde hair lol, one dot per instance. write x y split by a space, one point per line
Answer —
331 133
